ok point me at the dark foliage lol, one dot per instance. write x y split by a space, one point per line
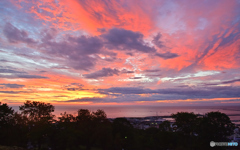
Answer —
35 128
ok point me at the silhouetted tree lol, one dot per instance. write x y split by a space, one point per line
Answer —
36 124
186 122
13 127
215 126
123 133
37 111
6 115
6 123
103 130
165 126
66 118
199 131
40 119
91 127
63 133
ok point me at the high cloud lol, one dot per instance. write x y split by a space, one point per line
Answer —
77 50
115 51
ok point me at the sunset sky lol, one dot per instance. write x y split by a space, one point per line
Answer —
120 52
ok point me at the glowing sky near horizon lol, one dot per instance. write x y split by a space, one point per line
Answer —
120 52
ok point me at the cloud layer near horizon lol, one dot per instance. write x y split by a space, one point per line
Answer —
117 52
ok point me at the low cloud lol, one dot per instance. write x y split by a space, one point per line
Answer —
14 35
75 49
10 71
153 70
12 85
126 40
167 55
14 73
127 71
191 93
135 78
131 94
74 87
86 99
156 41
81 52
27 76
11 92
231 81
224 82
104 72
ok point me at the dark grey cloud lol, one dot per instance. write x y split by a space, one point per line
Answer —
135 78
128 94
27 76
156 41
86 45
191 93
14 73
154 75
81 62
71 45
231 81
7 61
127 71
86 99
12 85
101 30
153 70
48 34
11 92
104 72
77 84
10 71
74 87
61 96
81 52
127 90
121 39
129 53
224 82
75 51
14 35
167 55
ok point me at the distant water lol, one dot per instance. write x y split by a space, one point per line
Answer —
143 111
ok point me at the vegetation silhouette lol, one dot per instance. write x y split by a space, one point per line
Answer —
35 127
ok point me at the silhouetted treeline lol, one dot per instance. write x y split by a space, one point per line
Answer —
35 127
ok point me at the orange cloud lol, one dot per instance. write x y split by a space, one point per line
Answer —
91 15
